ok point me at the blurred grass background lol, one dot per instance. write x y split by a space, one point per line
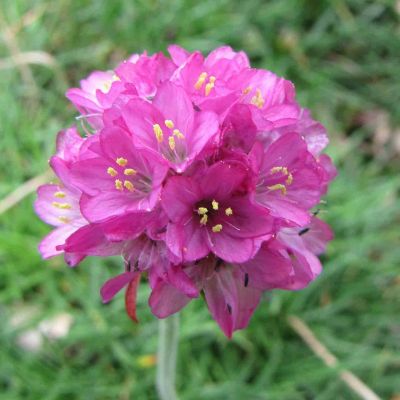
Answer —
344 58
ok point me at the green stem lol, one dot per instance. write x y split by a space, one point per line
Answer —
166 361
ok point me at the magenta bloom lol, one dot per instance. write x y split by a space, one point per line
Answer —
201 172
213 212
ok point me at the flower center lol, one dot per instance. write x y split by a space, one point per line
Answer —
258 99
213 211
202 79
106 85
174 151
61 206
127 178
284 173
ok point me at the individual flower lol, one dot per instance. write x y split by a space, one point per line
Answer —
58 205
119 179
213 212
170 128
89 99
289 179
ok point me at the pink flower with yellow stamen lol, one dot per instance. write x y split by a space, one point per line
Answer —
202 172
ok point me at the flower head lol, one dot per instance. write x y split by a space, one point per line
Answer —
202 172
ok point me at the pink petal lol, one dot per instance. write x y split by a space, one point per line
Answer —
317 237
165 300
115 284
48 246
188 241
269 269
179 197
91 176
90 240
248 220
231 303
221 179
175 104
178 54
232 249
178 278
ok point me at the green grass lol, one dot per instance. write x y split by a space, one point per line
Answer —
343 57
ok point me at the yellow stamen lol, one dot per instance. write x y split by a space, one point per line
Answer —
111 171
209 87
217 228
278 186
158 132
212 79
169 124
121 161
258 100
289 179
59 195
204 219
275 170
129 186
171 143
284 171
62 206
202 210
129 171
247 90
215 205
228 211
107 84
118 185
64 219
200 80
178 134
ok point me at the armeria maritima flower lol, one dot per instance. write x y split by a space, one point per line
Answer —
202 172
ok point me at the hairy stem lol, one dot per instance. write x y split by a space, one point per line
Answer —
167 353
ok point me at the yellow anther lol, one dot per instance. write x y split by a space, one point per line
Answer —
106 87
59 195
200 80
158 132
209 87
129 171
212 79
64 219
278 186
111 171
275 170
121 161
215 205
204 219
289 179
228 211
178 134
247 90
129 186
217 228
118 185
169 124
62 206
284 171
202 210
258 100
171 143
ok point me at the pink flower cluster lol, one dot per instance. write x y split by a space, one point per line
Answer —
202 172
